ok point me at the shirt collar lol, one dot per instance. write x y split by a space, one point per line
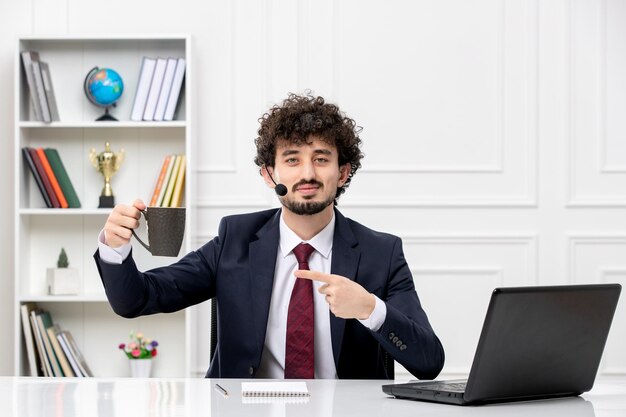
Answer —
321 242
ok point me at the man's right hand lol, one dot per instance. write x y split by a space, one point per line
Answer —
123 218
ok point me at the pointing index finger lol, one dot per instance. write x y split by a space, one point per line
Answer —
314 275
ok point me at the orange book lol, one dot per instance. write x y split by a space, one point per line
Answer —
53 180
160 180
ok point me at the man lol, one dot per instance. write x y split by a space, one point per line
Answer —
302 291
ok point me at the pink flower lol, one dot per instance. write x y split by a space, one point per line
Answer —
136 353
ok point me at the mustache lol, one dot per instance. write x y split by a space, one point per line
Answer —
305 182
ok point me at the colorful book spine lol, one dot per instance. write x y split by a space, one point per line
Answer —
69 355
46 369
31 164
58 350
168 174
44 320
82 363
52 178
171 183
31 350
160 180
177 195
64 180
44 178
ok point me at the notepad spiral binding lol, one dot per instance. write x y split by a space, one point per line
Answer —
274 394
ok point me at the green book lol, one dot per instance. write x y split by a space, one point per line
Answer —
64 180
44 320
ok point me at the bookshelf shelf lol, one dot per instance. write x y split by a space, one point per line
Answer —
101 125
64 212
95 298
41 232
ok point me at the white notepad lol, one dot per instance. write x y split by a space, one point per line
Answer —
274 389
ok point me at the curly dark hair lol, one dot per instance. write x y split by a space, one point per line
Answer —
299 118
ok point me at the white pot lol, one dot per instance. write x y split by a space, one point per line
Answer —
140 368
63 281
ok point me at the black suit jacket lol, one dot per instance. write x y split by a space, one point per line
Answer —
237 267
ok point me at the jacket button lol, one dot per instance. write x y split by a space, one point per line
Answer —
391 335
395 339
403 347
399 343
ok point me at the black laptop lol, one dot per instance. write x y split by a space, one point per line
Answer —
536 342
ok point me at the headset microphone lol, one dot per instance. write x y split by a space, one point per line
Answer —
279 189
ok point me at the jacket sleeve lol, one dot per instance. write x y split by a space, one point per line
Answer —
189 281
406 333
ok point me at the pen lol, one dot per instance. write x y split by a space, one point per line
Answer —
221 390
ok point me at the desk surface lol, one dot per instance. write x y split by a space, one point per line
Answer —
122 397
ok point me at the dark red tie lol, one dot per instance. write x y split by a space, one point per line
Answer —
299 353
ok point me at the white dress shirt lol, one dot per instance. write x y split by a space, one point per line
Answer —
273 357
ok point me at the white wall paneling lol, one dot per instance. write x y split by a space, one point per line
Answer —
597 149
493 133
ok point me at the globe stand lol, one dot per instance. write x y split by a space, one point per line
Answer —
106 117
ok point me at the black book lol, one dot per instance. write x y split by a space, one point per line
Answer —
38 180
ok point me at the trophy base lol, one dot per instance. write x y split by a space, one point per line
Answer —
107 201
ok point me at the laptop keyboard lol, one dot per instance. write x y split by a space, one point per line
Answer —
444 386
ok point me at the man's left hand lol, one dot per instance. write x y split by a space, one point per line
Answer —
346 298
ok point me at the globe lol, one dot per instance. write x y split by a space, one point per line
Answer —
104 87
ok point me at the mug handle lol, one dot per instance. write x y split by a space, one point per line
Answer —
145 213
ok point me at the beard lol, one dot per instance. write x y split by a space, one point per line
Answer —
306 208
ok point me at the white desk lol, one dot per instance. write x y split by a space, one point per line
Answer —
124 397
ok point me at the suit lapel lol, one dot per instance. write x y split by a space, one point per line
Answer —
262 266
345 262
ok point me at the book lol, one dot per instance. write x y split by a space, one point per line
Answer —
41 91
166 87
64 180
44 178
44 320
177 83
177 194
69 355
29 339
155 89
46 369
53 331
171 183
49 90
274 389
80 359
160 180
27 64
52 178
166 180
33 169
143 88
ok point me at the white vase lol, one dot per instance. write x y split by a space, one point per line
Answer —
140 368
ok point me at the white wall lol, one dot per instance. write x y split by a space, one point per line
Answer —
493 131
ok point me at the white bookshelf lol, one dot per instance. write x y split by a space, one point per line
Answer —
41 232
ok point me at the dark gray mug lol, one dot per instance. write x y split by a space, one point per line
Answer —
166 228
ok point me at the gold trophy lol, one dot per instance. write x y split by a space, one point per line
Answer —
107 163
